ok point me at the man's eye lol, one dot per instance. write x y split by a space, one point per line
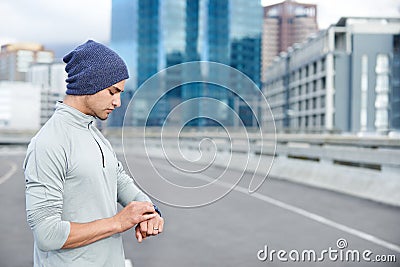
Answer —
111 93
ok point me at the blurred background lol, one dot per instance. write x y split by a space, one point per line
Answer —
329 137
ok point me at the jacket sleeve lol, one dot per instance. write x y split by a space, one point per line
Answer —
44 168
127 191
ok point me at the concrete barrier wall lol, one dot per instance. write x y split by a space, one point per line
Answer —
366 171
367 167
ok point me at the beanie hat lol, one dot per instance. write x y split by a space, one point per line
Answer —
92 67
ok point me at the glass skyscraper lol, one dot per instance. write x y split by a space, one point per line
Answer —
152 35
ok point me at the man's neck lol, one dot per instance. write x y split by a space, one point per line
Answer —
77 102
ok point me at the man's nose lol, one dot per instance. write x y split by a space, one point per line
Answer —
117 100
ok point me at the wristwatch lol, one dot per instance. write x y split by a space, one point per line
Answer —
157 210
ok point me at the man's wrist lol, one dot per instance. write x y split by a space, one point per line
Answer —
116 226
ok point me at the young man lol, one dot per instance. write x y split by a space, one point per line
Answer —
73 178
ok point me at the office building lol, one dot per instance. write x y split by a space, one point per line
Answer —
15 60
153 35
50 78
285 24
346 79
19 106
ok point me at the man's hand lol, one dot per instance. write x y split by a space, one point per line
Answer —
134 213
82 234
150 227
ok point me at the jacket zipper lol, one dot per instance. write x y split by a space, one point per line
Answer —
101 150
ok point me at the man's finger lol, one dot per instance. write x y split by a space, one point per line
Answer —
146 217
161 226
143 226
138 235
144 207
147 210
150 225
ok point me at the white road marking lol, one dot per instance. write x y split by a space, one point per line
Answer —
299 211
322 220
128 263
12 170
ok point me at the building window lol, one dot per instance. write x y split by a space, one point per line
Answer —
293 92
322 120
314 120
303 90
309 88
322 102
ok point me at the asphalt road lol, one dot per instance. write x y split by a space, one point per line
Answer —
233 231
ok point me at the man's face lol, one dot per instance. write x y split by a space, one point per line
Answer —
105 101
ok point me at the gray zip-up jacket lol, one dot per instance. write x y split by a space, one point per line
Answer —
72 175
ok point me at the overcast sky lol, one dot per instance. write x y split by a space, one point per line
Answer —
74 21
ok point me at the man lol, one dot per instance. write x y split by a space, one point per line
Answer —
73 178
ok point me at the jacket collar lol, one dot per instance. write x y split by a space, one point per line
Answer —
73 116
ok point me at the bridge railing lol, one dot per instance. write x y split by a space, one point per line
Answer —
367 166
373 152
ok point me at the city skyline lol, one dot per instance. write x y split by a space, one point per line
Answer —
171 32
75 21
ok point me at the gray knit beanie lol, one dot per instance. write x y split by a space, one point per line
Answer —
92 67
